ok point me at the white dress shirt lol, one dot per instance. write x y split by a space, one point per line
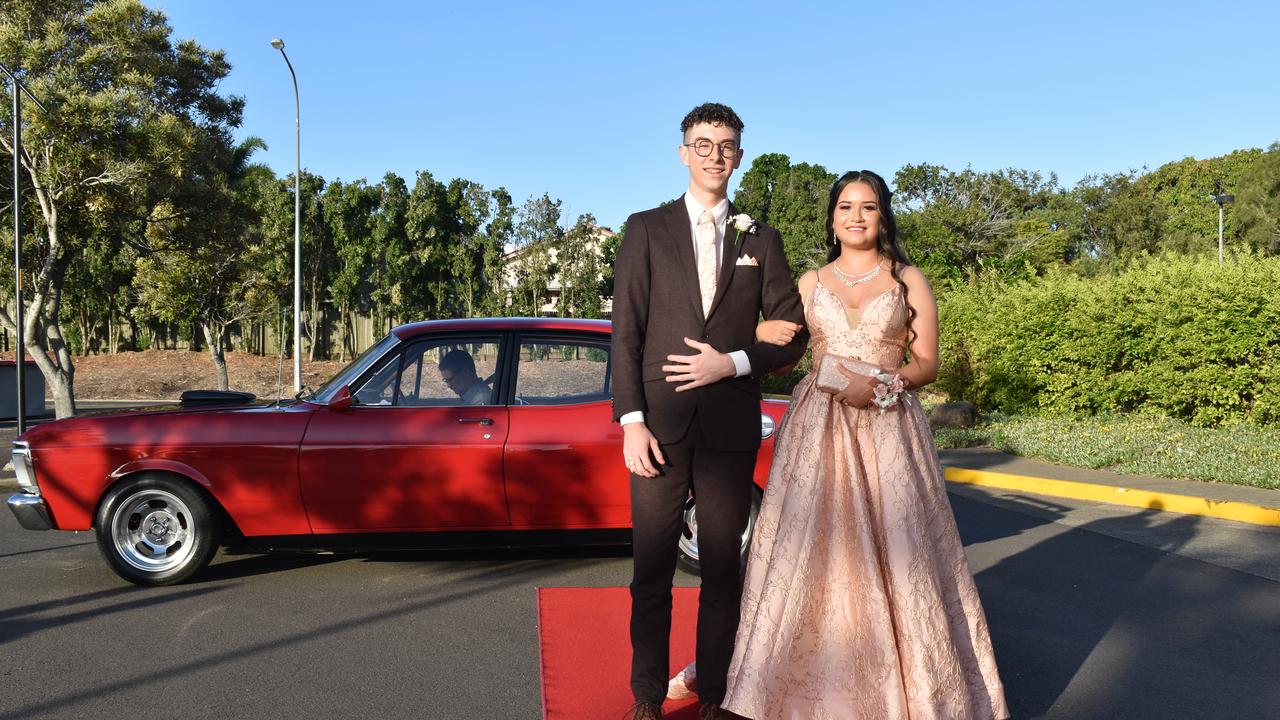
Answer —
741 364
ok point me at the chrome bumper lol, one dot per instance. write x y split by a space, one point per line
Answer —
31 511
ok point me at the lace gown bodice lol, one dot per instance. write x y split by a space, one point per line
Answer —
877 333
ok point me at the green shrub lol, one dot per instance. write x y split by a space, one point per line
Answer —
1180 335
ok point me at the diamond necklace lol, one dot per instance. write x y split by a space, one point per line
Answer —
855 279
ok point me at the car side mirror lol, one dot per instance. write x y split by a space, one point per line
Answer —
342 399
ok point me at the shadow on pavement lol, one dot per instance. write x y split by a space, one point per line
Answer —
248 563
47 549
1042 512
19 622
1086 625
468 585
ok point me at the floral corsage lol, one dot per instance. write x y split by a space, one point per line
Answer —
744 224
888 392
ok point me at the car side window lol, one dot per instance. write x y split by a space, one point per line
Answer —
440 372
562 372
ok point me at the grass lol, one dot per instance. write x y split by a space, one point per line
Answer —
1140 444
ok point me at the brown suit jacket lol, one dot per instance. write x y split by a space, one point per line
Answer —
657 303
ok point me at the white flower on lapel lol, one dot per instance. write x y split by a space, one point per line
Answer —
743 223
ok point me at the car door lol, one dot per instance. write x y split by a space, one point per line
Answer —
564 453
412 452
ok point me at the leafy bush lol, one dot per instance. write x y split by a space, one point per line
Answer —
1182 336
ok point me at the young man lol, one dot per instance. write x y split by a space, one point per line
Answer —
689 288
458 370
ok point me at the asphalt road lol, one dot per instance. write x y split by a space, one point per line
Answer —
1095 612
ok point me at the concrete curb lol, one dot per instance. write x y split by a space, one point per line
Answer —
1147 499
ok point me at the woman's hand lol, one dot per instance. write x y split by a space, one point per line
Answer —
860 390
777 332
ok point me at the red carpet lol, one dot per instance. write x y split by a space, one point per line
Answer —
586 652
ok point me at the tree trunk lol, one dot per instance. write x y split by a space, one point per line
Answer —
214 335
346 330
313 324
42 337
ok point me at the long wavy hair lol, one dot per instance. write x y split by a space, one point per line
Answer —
887 243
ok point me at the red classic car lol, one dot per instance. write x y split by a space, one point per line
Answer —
495 429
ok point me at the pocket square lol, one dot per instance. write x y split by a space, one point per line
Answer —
748 261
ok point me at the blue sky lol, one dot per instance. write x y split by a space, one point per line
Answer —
583 100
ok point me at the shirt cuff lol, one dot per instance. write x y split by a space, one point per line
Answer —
635 416
741 363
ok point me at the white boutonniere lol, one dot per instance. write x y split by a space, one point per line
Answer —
744 224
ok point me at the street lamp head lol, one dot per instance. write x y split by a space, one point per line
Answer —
277 43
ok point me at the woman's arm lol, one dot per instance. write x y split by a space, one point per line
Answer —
923 368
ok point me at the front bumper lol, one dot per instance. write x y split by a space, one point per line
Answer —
31 511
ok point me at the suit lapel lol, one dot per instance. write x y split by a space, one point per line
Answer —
728 260
679 233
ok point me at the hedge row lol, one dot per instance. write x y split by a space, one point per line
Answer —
1182 336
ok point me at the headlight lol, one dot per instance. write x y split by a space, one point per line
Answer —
22 468
766 428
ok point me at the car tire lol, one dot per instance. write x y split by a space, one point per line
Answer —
157 529
687 546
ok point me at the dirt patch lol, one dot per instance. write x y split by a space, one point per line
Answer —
165 374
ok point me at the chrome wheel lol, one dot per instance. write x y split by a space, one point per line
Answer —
687 545
153 531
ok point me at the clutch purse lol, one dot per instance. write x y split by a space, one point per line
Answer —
829 379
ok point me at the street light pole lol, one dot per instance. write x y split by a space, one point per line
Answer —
19 353
278 44
1220 198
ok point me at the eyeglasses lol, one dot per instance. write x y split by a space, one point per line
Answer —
703 147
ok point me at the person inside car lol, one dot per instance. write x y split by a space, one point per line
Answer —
458 370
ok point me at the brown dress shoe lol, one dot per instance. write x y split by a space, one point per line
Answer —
644 711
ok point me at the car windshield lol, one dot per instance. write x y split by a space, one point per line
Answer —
348 374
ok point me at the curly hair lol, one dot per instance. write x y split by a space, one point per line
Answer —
890 246
712 114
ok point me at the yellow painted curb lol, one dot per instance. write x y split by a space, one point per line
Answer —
1186 504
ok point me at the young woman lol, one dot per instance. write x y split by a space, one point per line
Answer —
858 602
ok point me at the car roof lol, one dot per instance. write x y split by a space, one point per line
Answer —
503 323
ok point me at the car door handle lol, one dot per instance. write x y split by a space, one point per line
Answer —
481 421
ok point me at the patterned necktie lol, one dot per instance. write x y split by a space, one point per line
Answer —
707 258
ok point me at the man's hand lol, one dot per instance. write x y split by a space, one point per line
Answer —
708 366
860 390
637 444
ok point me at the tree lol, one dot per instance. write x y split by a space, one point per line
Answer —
349 213
954 223
1182 191
203 262
578 257
421 277
467 248
389 247
532 264
1257 208
793 199
120 98
497 235
1119 217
